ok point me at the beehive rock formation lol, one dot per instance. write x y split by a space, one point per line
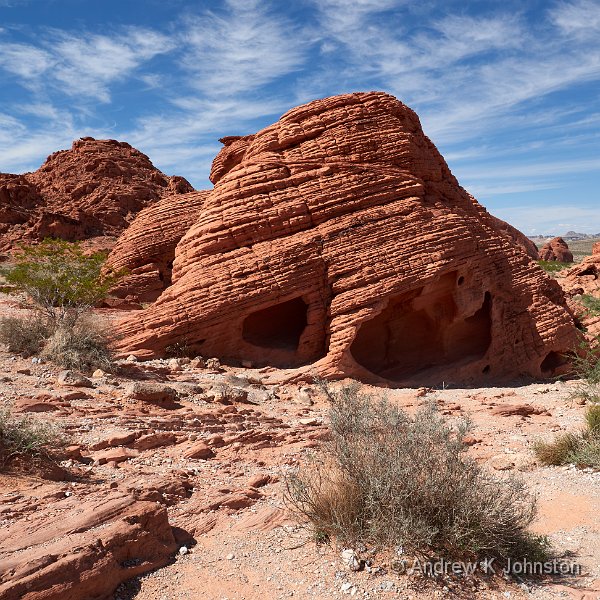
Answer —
556 250
338 239
146 250
95 188
517 236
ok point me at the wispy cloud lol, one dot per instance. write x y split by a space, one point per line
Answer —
82 64
241 48
580 18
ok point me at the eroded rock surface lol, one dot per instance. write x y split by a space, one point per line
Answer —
556 250
84 549
584 278
339 239
146 250
95 188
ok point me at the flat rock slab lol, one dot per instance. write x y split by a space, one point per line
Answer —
103 542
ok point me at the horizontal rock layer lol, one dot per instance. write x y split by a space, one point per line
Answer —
146 250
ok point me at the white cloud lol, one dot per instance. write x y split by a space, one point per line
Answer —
87 65
84 64
581 18
23 60
241 49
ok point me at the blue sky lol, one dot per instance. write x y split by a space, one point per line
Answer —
508 90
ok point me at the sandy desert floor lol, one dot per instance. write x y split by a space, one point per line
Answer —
246 544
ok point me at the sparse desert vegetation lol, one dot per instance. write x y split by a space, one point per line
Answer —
25 436
581 448
59 283
552 266
591 304
387 479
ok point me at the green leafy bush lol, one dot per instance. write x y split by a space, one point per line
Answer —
59 279
60 283
389 479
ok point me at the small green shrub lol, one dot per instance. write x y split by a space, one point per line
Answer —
25 436
553 266
389 479
591 304
59 279
60 284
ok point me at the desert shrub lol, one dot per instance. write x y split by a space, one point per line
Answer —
553 266
59 279
389 479
591 304
586 365
83 347
25 436
581 448
24 336
556 452
60 284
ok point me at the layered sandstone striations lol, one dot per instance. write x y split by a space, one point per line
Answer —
95 188
84 548
517 236
146 250
337 238
556 250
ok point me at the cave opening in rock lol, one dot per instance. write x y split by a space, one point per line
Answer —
278 327
553 361
420 330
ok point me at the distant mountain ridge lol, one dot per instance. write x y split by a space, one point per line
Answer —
570 236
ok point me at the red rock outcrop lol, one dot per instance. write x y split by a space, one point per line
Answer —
585 277
556 250
103 542
95 188
518 237
146 250
338 238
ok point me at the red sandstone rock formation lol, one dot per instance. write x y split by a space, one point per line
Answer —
516 236
95 188
102 543
338 238
585 277
146 250
556 250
